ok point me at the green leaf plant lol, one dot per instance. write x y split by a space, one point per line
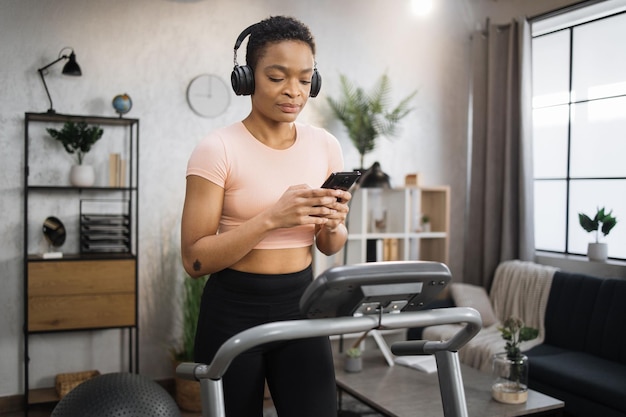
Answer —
514 332
77 138
353 352
367 116
601 222
190 304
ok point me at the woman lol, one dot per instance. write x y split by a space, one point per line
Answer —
253 209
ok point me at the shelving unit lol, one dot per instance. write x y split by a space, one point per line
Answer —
81 291
398 234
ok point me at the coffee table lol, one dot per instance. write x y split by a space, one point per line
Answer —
400 391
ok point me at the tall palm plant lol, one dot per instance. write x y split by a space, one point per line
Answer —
368 115
187 393
190 304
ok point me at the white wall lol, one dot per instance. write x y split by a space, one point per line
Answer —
151 49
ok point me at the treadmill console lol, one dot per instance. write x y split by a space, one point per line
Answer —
374 288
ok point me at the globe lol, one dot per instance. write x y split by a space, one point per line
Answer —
122 103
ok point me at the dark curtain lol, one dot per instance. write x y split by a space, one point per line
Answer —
500 182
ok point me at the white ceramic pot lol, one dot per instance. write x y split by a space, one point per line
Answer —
353 364
82 176
598 252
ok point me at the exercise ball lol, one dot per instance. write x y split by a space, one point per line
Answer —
117 395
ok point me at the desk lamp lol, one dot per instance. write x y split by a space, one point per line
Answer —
70 68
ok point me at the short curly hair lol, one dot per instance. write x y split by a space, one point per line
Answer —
276 29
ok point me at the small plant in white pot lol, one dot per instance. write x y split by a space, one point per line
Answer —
426 223
353 360
77 139
601 223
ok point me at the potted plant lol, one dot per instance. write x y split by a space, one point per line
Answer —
426 223
601 222
77 139
188 392
510 368
368 115
354 361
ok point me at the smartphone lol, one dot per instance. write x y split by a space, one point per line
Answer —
341 180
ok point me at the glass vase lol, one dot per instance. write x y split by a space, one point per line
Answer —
510 379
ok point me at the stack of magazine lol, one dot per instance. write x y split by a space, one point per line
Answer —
104 232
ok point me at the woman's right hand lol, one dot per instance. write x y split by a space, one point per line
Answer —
301 205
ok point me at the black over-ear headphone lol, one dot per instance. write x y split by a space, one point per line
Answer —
242 77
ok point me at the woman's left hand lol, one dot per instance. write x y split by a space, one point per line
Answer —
339 211
332 236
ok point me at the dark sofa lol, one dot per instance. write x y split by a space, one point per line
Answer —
582 360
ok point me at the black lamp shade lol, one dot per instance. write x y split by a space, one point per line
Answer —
72 68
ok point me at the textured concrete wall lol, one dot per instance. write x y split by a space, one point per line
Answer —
151 49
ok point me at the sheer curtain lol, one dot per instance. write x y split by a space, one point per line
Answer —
500 181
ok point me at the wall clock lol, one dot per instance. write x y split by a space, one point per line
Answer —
208 95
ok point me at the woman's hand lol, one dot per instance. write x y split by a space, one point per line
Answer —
339 211
301 205
204 251
332 235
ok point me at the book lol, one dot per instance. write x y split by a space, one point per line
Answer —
423 363
390 250
117 170
114 162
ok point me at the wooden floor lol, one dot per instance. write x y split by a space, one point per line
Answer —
46 410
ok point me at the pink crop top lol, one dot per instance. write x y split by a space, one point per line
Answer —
254 176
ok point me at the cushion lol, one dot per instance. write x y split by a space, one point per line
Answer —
583 375
468 295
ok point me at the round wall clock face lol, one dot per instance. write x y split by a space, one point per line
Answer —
208 95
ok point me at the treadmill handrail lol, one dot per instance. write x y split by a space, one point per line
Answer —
300 329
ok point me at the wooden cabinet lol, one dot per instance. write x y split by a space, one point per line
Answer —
81 295
84 289
387 225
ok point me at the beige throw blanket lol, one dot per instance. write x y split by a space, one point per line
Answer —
519 289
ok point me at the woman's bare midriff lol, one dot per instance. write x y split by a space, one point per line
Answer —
275 261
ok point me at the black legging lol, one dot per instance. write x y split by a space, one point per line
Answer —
299 373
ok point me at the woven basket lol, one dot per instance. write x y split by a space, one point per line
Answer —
64 383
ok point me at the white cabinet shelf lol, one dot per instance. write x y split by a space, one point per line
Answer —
386 225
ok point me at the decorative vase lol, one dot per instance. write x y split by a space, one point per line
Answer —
82 176
353 364
188 394
598 252
510 385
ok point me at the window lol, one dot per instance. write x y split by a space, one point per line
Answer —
579 125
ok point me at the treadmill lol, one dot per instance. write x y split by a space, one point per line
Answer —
359 298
